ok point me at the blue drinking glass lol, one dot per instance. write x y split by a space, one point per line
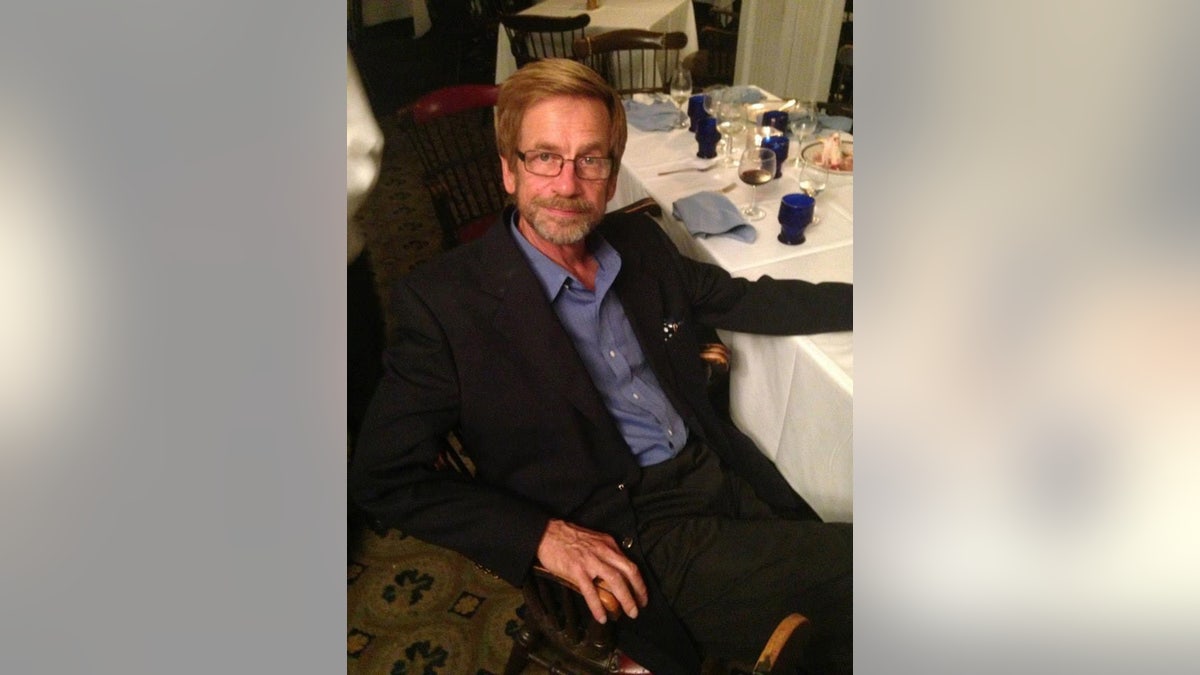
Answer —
780 145
695 111
795 214
707 137
777 119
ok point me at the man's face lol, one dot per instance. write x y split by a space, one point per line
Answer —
563 209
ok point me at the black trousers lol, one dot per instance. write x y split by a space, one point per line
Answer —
732 569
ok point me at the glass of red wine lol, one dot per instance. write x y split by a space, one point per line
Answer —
756 168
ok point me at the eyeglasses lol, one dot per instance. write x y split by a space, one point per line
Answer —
550 164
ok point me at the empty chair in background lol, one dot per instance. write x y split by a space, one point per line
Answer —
713 63
632 60
532 37
452 131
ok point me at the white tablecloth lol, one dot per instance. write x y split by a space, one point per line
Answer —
663 16
793 395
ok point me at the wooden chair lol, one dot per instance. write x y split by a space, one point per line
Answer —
560 635
532 37
452 131
465 31
632 60
841 99
717 55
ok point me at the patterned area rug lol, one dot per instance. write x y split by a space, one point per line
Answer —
414 608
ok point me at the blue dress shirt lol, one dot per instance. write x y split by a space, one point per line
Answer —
605 340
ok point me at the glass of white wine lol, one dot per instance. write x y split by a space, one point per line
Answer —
812 180
731 121
803 125
681 91
757 167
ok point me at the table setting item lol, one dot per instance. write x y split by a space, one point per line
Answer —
695 111
680 87
775 140
803 124
707 137
709 214
700 169
731 123
651 113
832 152
777 119
757 167
811 180
795 214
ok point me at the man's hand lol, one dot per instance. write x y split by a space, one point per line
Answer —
582 555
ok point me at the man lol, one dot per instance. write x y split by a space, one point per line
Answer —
563 347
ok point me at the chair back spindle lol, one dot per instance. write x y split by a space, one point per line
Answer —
632 60
452 131
532 37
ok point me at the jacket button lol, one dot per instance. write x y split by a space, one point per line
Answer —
620 486
627 543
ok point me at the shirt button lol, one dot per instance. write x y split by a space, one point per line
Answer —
670 432
627 543
612 354
636 397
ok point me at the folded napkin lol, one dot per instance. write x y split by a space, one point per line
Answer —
835 122
657 116
708 214
744 93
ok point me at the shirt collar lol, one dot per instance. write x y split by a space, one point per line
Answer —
552 277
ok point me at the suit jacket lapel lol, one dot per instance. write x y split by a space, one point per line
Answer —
525 317
650 316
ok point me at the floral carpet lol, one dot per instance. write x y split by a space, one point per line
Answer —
414 608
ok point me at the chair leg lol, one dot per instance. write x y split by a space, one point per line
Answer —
518 658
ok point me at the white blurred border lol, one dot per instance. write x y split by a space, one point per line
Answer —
1027 314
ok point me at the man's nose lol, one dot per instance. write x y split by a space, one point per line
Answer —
566 182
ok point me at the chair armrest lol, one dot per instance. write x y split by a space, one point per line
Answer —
611 607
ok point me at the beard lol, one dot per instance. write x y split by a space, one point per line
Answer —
558 230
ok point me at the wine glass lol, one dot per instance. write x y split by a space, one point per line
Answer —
812 178
731 121
712 99
757 168
803 124
681 90
812 181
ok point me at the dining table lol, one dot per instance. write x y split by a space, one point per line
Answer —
793 395
663 16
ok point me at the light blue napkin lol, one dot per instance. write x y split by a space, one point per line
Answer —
835 122
658 116
708 214
744 93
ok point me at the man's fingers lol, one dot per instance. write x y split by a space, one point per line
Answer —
586 558
588 591
624 583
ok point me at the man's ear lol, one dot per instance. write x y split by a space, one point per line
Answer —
510 178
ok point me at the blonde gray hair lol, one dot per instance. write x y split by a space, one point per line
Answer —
555 77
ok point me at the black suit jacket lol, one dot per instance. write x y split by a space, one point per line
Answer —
478 349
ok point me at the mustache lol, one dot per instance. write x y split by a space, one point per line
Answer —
564 204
